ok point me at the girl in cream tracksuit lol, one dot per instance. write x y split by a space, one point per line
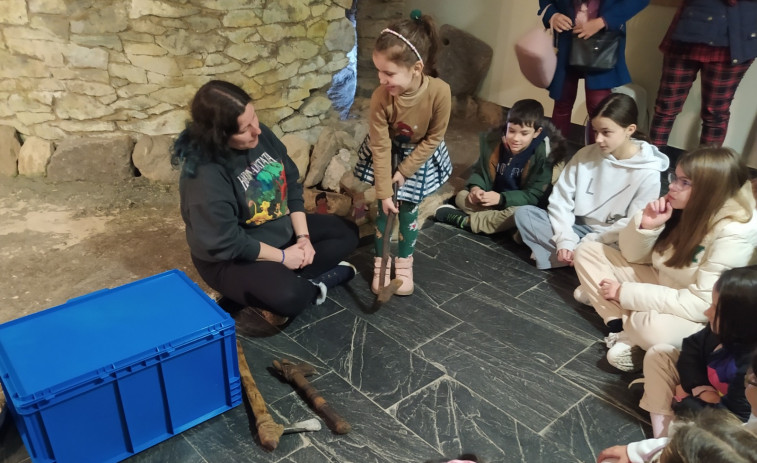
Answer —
601 186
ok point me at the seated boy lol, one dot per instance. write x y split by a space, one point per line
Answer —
517 172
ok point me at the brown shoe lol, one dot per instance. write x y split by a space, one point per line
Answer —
272 318
403 269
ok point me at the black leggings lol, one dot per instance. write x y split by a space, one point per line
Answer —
272 286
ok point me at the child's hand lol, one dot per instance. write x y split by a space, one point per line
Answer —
565 255
560 22
589 28
387 205
656 213
490 198
610 289
474 196
680 394
398 178
619 453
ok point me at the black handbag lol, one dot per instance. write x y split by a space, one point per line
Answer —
597 53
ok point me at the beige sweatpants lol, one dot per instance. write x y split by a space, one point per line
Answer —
594 262
484 219
660 379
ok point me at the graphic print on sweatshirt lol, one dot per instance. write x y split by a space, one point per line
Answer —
265 185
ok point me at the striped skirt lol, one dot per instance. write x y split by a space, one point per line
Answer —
429 178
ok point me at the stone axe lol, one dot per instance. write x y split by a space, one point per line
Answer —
386 292
297 375
269 431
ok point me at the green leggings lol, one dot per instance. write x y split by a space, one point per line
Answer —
408 229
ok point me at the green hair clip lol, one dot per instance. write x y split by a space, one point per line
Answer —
415 14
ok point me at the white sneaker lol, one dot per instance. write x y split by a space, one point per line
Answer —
611 339
624 356
580 296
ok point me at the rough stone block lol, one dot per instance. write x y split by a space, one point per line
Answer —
325 148
9 148
337 168
463 60
299 150
34 156
99 160
152 156
491 113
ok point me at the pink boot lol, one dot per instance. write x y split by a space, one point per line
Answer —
377 274
403 269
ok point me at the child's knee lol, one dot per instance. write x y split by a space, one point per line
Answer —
461 199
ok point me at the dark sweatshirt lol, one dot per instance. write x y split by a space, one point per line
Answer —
230 209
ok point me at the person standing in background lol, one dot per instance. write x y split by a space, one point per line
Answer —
579 20
718 39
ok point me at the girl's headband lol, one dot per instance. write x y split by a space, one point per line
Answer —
407 42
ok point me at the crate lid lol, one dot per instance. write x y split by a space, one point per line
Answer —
103 332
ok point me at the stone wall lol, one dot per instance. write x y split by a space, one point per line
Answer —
128 67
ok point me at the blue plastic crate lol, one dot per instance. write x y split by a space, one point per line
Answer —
111 373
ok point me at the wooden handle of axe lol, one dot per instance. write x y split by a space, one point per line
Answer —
294 374
334 420
269 431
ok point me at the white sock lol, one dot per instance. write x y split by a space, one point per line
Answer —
660 424
322 295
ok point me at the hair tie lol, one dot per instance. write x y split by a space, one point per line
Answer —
415 14
407 42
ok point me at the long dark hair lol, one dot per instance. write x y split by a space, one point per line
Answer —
734 314
716 175
421 32
215 109
621 109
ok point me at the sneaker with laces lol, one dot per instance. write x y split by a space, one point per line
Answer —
342 273
624 356
610 339
450 214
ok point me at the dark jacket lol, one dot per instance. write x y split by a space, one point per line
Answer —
535 178
699 359
230 209
714 22
615 14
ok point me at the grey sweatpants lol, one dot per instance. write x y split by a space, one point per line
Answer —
536 231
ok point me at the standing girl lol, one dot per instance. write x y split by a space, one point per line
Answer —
656 287
409 116
599 188
579 20
709 369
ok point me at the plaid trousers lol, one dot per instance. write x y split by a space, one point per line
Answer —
720 79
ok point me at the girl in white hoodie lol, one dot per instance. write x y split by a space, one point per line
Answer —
601 186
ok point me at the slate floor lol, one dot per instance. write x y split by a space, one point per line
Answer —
489 356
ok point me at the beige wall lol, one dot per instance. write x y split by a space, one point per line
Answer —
500 23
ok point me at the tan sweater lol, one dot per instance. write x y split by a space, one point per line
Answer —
422 115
